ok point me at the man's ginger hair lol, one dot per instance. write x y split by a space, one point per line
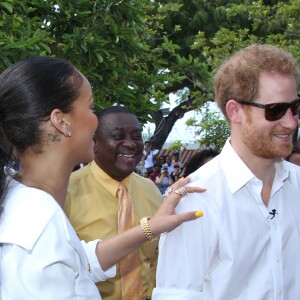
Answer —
238 77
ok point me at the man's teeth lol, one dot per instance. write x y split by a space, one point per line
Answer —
283 135
127 155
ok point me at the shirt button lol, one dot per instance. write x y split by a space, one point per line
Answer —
277 260
280 293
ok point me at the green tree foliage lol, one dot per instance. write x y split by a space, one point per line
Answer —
137 52
213 130
177 146
21 35
104 39
246 22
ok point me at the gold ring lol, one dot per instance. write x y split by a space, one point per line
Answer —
168 191
181 191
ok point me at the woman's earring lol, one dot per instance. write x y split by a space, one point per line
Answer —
68 133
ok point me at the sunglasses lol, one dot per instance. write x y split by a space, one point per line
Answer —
275 111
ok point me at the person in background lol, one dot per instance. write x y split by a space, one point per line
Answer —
169 164
149 156
47 123
247 245
161 160
199 159
156 172
140 168
175 175
164 180
294 157
92 203
145 174
176 159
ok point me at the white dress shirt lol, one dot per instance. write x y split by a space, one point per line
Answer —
41 256
237 250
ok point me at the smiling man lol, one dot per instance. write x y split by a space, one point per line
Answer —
92 203
246 247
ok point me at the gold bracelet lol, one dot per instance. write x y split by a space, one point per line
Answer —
145 227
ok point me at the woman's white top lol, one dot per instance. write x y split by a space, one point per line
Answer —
41 256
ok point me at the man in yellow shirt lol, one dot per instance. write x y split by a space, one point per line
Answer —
92 204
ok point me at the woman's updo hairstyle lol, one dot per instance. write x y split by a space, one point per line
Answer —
29 91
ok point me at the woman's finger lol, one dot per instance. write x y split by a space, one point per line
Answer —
182 190
189 216
181 218
195 189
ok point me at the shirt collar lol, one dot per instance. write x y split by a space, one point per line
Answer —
238 174
282 174
108 182
32 209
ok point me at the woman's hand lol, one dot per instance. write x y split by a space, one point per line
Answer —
114 249
165 219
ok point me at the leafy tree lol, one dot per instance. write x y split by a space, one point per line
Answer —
137 52
21 35
177 146
213 129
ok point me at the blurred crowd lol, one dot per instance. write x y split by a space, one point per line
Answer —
164 170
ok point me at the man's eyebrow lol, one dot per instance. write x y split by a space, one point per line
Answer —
118 128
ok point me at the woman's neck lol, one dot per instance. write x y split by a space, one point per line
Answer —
53 179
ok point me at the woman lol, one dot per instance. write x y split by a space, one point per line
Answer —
198 160
47 124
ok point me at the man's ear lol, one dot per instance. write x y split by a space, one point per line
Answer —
234 111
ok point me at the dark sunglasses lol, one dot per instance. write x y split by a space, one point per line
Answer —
275 111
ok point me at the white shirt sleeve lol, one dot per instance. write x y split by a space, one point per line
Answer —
155 152
96 270
186 254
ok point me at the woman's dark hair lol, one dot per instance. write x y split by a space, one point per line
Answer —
29 91
198 160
